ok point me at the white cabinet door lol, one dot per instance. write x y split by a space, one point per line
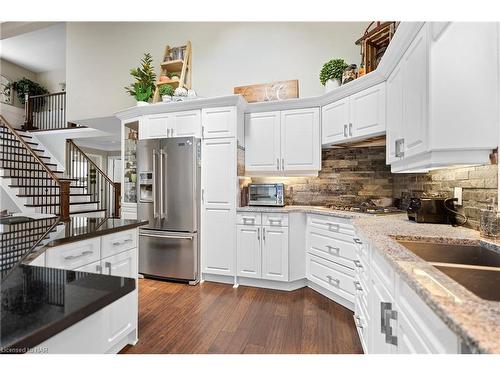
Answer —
379 295
248 256
367 110
218 122
262 142
123 264
94 267
219 183
188 124
415 95
275 253
300 140
334 121
394 115
120 319
158 126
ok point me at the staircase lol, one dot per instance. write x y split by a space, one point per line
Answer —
33 181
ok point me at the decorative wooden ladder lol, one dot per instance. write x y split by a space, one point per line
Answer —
171 65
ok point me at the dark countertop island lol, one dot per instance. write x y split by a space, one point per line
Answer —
36 303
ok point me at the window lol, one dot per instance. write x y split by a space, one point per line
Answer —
6 95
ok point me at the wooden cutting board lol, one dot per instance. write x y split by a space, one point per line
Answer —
265 92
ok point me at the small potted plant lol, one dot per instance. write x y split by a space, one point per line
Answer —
331 73
143 88
166 93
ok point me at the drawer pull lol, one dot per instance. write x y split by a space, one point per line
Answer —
108 266
333 227
358 241
358 286
248 220
117 243
72 257
357 320
358 264
333 250
335 282
274 221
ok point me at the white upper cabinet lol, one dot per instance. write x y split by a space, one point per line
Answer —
283 141
188 124
262 141
435 118
334 121
359 116
300 140
172 124
394 115
367 112
415 95
219 122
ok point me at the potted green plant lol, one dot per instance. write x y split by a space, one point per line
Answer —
25 86
331 73
166 93
144 87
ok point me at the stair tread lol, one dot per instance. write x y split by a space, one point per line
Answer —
22 135
87 211
45 187
30 162
28 169
54 195
41 178
57 204
22 147
16 140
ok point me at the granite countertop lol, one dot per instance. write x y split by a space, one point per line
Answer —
473 319
37 302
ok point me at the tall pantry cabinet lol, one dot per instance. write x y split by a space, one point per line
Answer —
219 190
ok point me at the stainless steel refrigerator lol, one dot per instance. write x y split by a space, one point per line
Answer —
168 189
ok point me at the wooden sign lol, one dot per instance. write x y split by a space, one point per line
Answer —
266 92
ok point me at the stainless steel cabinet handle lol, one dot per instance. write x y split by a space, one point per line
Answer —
350 129
258 234
250 220
203 195
358 264
358 321
84 253
386 314
108 266
271 221
335 282
345 130
357 240
122 242
333 250
333 227
202 132
358 286
155 212
278 164
282 164
264 234
399 148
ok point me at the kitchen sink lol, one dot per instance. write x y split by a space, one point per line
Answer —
473 266
14 220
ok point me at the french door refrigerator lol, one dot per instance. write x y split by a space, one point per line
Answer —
168 187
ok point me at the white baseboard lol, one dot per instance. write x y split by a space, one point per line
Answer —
271 284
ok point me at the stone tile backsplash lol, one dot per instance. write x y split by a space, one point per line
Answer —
352 175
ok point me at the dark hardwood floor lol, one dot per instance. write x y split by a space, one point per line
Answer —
215 318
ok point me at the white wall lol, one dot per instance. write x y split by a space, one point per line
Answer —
14 73
50 80
99 57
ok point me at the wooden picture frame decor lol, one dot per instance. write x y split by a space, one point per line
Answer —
265 92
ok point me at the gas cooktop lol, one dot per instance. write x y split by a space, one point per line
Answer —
368 209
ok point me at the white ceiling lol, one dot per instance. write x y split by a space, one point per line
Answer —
39 51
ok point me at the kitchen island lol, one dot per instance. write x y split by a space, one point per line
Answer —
75 292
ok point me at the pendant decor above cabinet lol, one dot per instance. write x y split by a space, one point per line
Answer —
175 69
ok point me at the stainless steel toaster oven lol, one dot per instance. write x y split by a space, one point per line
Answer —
266 195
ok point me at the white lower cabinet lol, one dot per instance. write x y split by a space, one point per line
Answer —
275 253
262 250
123 264
248 251
392 318
94 267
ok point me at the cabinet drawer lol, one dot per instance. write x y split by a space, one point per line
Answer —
275 219
74 255
248 218
331 276
330 224
322 244
91 267
117 242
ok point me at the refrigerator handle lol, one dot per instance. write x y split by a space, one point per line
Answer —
162 184
155 213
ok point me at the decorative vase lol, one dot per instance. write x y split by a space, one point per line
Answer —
166 98
141 104
331 84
